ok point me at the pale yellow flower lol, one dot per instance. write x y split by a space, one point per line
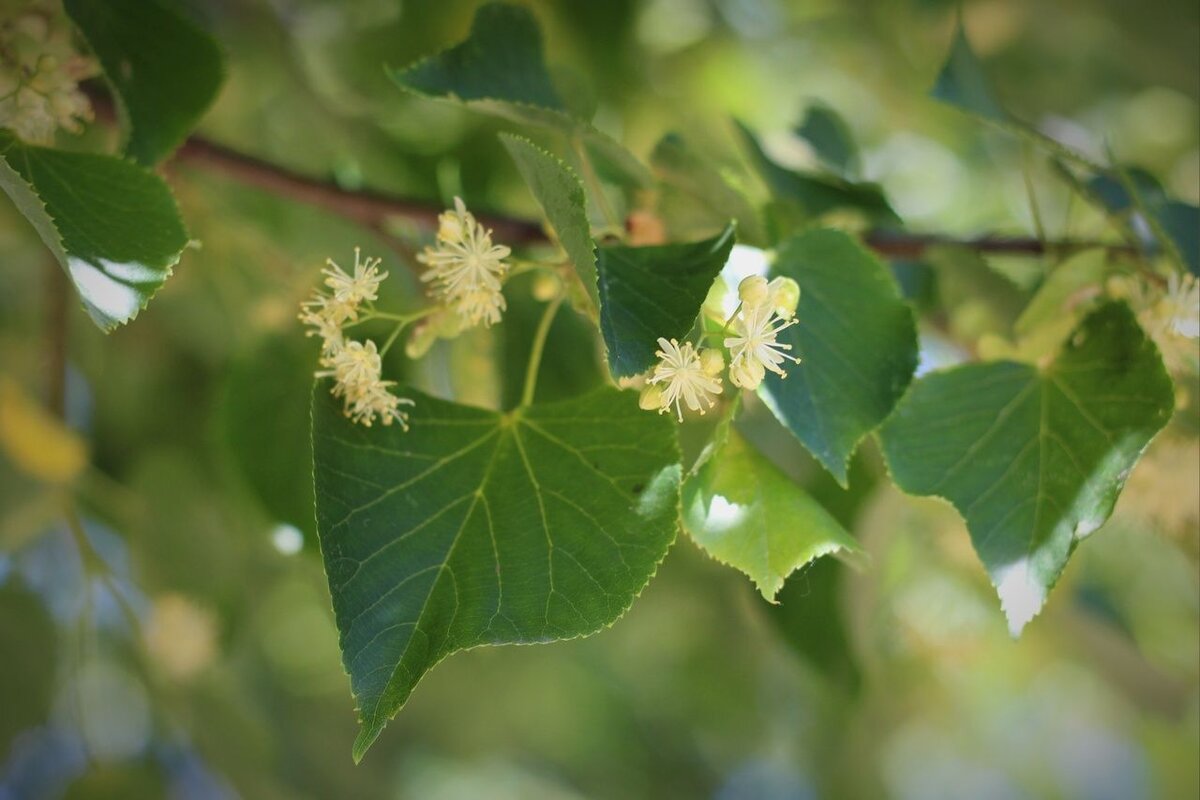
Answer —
681 374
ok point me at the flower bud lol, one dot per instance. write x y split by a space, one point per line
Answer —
420 339
753 290
546 287
784 296
712 361
746 373
651 398
450 227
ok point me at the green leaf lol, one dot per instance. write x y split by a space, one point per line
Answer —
276 464
810 616
648 292
165 70
710 199
1067 285
500 69
816 194
745 512
112 225
1034 460
857 342
560 194
478 528
962 82
501 59
830 138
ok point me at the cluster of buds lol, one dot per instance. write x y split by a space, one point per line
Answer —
356 367
40 71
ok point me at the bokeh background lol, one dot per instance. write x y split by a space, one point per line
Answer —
185 646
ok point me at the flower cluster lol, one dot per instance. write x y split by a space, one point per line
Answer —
40 71
465 268
766 310
687 376
355 367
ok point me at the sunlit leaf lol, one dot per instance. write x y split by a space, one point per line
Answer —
652 292
745 512
112 225
165 70
856 340
1034 459
479 528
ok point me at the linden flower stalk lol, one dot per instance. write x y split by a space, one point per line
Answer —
465 268
683 374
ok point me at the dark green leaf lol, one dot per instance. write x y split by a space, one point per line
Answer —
816 194
745 512
478 528
164 69
710 199
111 224
1034 460
830 139
500 69
810 617
962 83
857 342
560 194
274 461
648 292
574 363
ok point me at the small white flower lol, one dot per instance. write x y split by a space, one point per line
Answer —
362 286
356 369
754 349
466 268
681 372
1181 305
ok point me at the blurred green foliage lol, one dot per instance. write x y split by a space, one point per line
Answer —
196 494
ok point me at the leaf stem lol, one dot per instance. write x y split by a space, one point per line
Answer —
593 181
535 353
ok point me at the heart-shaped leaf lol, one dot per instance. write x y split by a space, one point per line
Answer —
1034 459
652 292
476 528
745 512
856 340
165 70
111 224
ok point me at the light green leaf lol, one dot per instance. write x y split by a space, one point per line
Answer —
165 70
560 194
709 198
500 69
962 83
830 138
745 512
817 194
478 528
857 342
1068 285
112 225
648 292
1034 460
